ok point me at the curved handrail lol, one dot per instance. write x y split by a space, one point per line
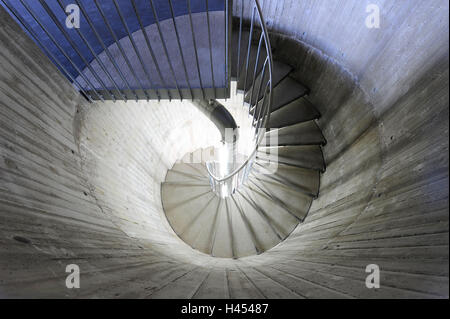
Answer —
264 111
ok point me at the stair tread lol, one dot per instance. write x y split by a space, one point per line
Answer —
234 54
184 193
286 91
302 179
194 217
182 216
251 68
304 133
279 72
244 241
222 245
280 219
189 232
264 236
296 202
306 156
300 110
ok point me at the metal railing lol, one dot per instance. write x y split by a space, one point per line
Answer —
73 50
257 88
256 77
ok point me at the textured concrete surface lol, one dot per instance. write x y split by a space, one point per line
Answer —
384 196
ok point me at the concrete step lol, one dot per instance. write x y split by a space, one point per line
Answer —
279 72
188 173
287 91
243 49
222 243
166 76
196 169
264 235
198 229
300 179
205 229
306 133
182 215
244 243
185 192
281 220
189 230
306 156
299 110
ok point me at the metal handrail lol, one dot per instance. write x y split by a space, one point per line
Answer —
260 106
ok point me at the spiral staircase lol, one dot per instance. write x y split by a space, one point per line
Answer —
266 209
268 204
89 176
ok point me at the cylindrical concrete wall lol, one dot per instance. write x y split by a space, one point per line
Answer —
79 182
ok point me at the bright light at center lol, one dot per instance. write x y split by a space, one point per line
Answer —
223 160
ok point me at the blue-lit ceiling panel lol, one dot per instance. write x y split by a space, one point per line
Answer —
102 22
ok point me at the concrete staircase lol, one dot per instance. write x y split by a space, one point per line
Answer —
134 50
268 207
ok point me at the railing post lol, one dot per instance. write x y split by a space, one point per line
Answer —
227 185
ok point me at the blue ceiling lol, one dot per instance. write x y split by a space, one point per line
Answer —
162 8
